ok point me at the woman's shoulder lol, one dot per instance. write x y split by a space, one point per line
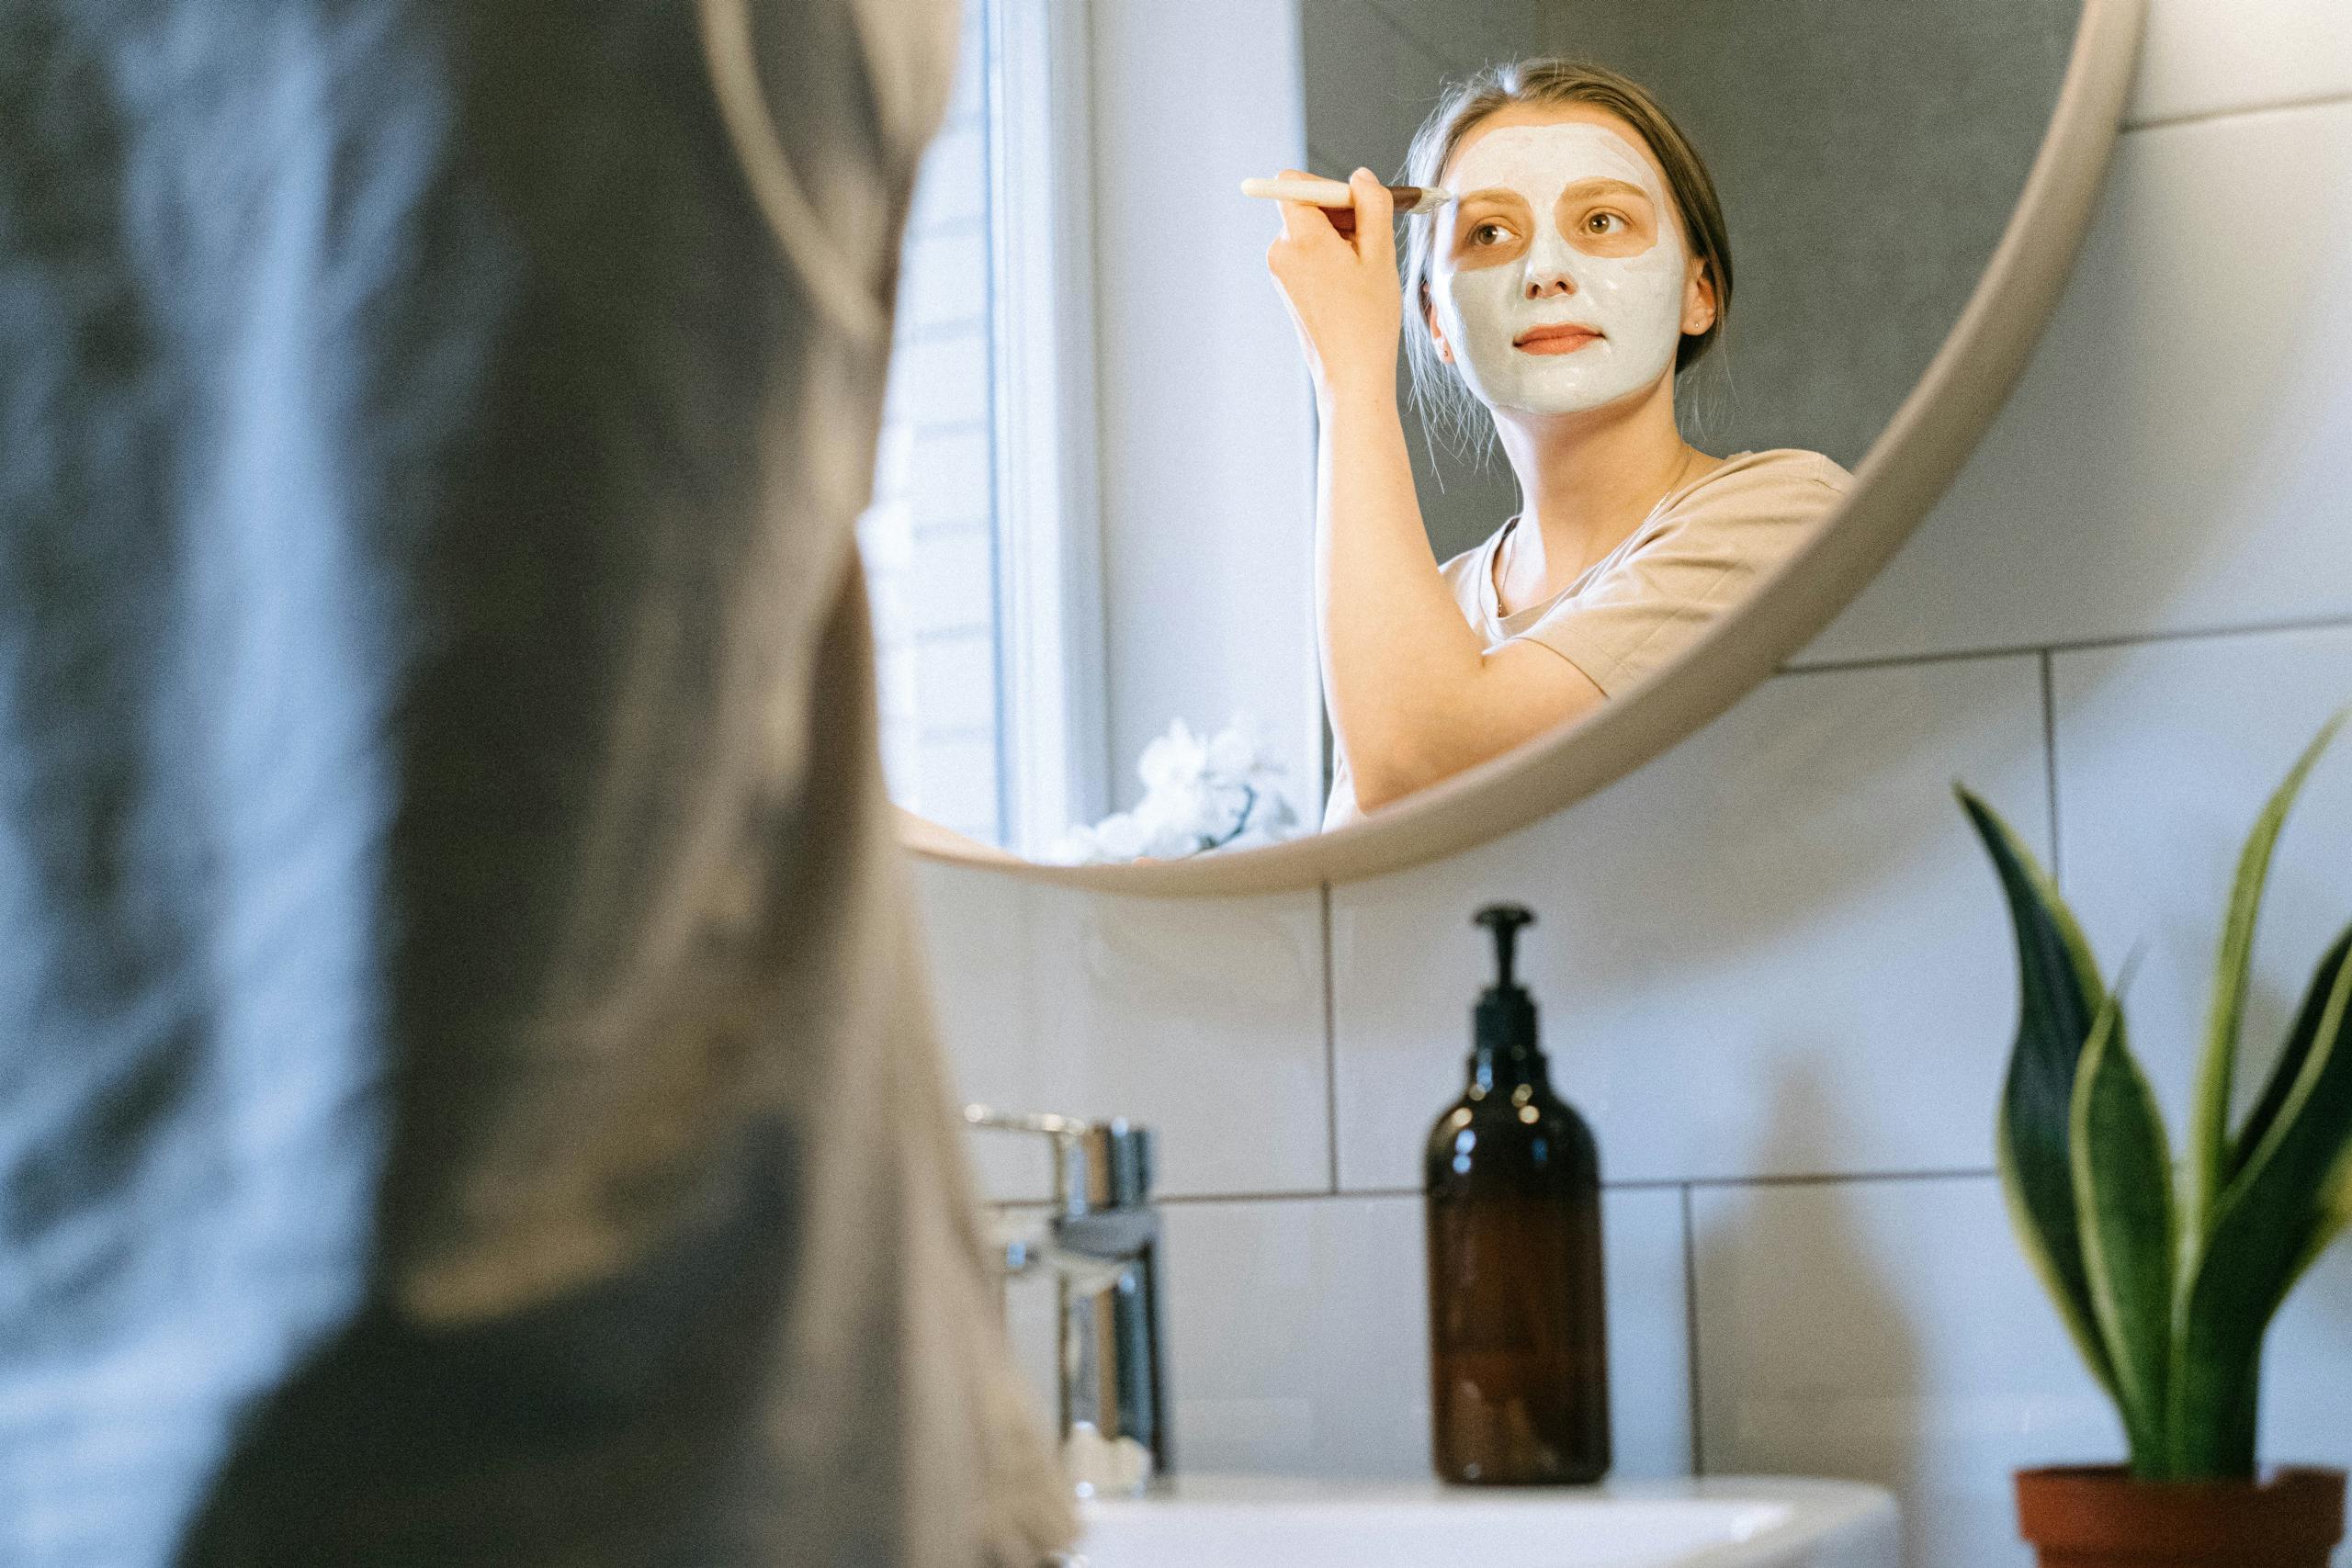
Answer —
1785 485
1774 466
1783 492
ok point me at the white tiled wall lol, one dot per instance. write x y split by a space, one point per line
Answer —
1310 1355
1204 1020
1888 1330
2212 57
1771 964
1720 938
2165 751
2174 460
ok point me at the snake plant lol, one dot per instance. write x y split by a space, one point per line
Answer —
2168 1278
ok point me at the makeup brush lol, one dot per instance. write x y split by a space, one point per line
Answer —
1331 194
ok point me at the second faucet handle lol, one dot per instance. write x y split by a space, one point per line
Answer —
1097 1165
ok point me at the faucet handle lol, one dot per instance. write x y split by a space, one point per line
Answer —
1102 1245
1044 1123
1068 1134
1097 1165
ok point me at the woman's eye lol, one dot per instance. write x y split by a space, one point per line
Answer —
1489 234
1604 224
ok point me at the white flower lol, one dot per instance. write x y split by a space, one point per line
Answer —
1183 805
1175 760
1198 794
1120 837
1077 847
1233 753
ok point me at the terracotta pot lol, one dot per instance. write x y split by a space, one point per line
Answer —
2097 1516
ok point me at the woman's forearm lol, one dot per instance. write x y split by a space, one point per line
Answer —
1397 655
1413 694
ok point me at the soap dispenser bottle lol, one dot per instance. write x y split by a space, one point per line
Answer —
1518 1376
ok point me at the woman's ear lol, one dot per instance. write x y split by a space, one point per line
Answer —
1437 333
1699 297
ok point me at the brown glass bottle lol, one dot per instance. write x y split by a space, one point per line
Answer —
1518 1357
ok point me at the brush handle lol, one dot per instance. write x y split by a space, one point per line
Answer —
1333 194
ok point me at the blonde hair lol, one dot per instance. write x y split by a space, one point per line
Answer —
1444 399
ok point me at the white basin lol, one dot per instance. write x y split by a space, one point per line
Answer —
1719 1522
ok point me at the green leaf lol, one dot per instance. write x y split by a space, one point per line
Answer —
2059 995
2273 1219
2334 1216
2289 1065
2122 1171
2336 1207
2208 1131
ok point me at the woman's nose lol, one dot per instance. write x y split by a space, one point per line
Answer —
1547 275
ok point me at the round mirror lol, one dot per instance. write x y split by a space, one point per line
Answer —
1224 543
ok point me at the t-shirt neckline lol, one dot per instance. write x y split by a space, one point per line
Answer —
1490 601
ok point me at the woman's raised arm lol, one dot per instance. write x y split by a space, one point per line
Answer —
1414 696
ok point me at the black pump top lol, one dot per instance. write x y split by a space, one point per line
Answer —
1504 1018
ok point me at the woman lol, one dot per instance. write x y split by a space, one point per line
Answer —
1581 267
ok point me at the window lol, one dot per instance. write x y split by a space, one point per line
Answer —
982 548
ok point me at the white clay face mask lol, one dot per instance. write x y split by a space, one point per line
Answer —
1633 303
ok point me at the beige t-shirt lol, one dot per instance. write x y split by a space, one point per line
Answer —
1701 549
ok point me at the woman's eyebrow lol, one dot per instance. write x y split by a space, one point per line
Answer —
1597 184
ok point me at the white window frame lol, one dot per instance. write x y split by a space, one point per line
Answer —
1054 740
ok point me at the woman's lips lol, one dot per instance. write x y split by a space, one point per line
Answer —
1562 338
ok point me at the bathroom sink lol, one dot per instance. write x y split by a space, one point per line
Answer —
1719 1522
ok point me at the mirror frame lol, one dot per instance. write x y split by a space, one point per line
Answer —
1905 472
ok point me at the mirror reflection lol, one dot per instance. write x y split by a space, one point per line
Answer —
1572 267
1202 522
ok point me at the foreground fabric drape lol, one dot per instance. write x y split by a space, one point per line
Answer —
465 1092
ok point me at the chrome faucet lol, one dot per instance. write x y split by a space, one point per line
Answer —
1101 1245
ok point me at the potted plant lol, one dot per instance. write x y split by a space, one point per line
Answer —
2168 1280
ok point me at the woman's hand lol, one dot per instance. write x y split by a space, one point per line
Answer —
1342 290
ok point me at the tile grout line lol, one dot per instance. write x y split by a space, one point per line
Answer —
2237 111
1643 1184
1301 1195
1691 1330
1807 1178
1330 1052
2050 763
2077 644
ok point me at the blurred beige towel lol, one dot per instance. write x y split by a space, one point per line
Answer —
466 1094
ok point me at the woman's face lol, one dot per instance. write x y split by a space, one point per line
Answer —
1561 280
